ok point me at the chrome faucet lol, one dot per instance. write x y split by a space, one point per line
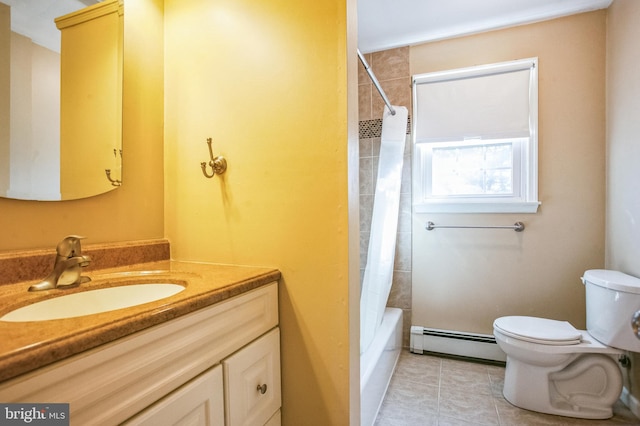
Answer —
67 269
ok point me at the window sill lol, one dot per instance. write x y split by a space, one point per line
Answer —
477 207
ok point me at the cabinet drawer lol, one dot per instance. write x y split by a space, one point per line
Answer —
252 382
198 403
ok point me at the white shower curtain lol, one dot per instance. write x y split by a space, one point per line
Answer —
378 272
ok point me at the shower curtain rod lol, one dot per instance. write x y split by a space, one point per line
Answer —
376 83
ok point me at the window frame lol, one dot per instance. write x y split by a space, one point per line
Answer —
526 201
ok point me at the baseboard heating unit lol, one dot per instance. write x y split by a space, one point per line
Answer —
471 345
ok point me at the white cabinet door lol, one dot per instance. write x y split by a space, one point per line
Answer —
252 382
199 402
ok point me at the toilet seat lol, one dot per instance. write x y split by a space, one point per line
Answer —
538 330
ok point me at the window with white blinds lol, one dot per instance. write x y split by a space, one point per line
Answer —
475 139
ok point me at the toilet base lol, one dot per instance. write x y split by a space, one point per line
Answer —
585 387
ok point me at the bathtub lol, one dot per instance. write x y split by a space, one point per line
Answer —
377 365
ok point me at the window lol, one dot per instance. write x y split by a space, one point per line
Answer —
475 139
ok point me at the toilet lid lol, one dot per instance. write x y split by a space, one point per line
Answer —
538 330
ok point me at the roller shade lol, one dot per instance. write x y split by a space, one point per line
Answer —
459 104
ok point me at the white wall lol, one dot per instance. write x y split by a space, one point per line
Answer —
623 151
34 135
623 137
464 279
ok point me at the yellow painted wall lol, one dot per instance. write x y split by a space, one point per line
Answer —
275 102
5 52
464 279
268 82
134 211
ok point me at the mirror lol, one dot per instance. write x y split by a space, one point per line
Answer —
60 98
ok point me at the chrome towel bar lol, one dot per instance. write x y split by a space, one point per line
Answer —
518 226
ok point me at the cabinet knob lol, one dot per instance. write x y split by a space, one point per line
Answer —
262 388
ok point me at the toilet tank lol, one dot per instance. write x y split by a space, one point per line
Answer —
612 299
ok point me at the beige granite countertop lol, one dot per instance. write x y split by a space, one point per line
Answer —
26 346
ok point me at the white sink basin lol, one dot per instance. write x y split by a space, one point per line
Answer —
93 302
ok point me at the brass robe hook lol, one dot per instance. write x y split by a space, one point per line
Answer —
114 182
218 164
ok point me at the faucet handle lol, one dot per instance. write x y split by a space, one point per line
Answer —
70 246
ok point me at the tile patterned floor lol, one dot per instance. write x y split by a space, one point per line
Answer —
432 391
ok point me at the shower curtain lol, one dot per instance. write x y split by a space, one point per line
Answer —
378 272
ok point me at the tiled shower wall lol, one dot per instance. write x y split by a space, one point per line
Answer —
391 68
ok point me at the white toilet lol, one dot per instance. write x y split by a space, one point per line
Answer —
554 368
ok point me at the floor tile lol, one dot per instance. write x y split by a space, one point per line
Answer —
465 405
428 390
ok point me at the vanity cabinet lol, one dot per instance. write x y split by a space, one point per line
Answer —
252 382
198 403
209 367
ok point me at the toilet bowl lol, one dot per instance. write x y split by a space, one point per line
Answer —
555 368
575 379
